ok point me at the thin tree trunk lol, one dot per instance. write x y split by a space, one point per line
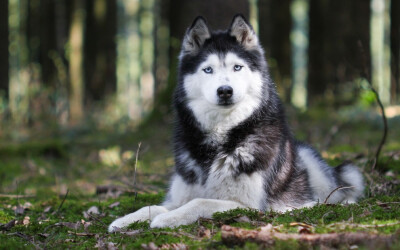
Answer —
395 50
3 50
161 42
76 39
275 24
335 59
100 49
146 28
128 60
19 73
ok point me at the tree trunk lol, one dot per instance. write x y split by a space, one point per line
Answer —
128 60
146 32
395 50
100 49
275 24
76 39
335 56
161 44
3 50
18 62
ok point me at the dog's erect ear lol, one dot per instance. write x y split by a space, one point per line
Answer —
195 36
243 32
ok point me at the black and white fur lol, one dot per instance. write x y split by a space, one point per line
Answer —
233 147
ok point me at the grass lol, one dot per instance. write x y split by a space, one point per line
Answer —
67 226
42 168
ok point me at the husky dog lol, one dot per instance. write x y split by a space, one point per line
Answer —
233 147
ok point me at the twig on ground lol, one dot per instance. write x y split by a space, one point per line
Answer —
82 234
62 202
134 174
363 225
28 238
102 224
16 196
367 76
336 189
385 127
234 235
180 234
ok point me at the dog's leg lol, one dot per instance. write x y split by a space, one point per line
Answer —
192 211
143 214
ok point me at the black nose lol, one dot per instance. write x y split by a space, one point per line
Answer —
225 92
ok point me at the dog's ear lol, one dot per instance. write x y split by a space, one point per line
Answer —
243 32
195 36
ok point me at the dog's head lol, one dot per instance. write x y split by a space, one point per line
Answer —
222 72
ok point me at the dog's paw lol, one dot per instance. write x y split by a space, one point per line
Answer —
170 220
143 214
118 224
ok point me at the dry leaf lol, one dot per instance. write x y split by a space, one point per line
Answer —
174 246
47 209
115 204
91 210
150 246
44 235
243 219
204 232
303 230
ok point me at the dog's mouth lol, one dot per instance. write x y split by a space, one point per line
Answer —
225 103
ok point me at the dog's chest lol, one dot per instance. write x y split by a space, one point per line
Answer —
224 184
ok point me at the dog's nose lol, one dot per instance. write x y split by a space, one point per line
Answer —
225 92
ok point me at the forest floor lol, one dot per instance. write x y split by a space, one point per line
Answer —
61 189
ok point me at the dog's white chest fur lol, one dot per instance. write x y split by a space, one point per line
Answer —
221 184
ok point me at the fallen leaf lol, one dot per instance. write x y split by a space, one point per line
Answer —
243 219
174 246
294 224
304 230
130 233
27 205
111 246
44 235
115 204
150 246
204 232
47 209
383 205
91 210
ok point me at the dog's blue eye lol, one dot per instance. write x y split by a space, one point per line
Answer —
208 70
237 67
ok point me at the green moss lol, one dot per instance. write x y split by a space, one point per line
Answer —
4 217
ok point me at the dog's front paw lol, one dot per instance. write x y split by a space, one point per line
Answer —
143 214
118 224
170 219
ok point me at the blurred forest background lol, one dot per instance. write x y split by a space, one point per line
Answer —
82 82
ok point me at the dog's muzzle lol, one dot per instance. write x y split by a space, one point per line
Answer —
225 94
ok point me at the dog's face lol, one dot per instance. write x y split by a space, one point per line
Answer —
221 73
222 80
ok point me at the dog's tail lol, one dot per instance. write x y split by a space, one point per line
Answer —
352 181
